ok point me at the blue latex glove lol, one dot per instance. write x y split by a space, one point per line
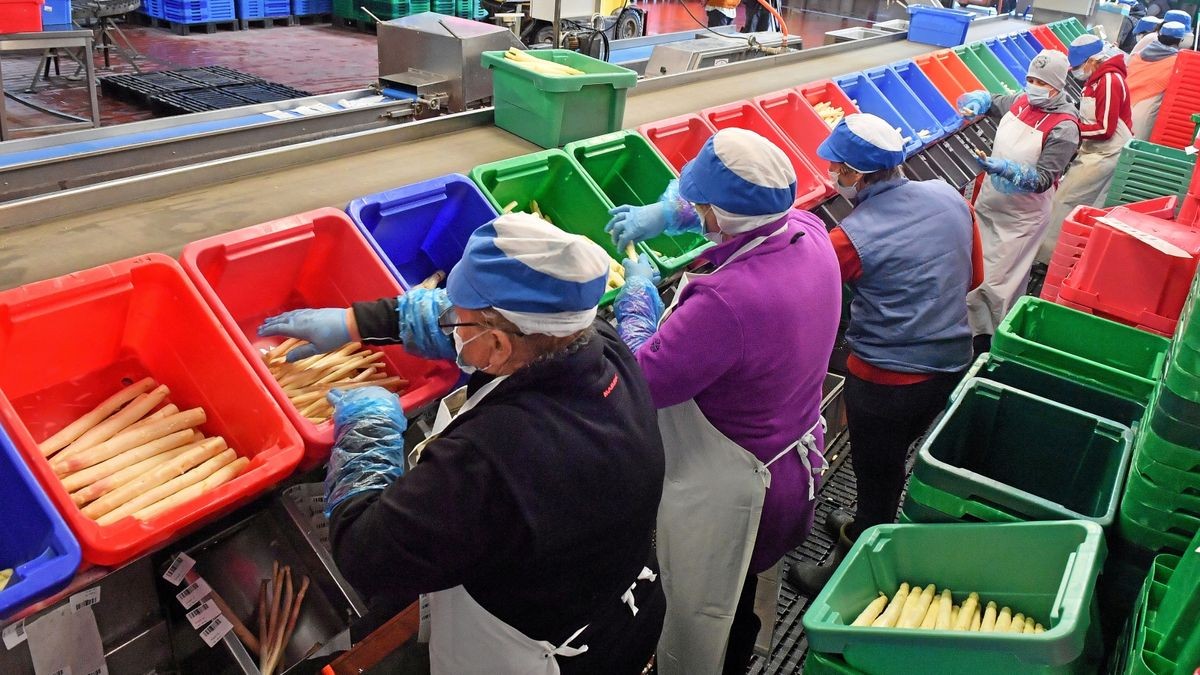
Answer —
324 329
638 307
991 165
631 224
418 311
368 454
1010 177
974 103
642 267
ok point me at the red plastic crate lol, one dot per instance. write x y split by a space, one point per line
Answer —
314 259
1174 126
949 74
828 92
68 343
1048 39
1120 277
799 122
678 139
1049 291
20 16
811 187
1189 213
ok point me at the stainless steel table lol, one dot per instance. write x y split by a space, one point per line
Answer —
72 38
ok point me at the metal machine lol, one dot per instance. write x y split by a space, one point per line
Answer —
716 50
585 24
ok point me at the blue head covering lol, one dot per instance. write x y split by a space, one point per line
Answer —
1083 48
865 143
1180 16
748 180
1173 29
1147 24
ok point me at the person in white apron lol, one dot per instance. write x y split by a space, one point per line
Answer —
1149 75
525 520
1037 136
736 367
1105 125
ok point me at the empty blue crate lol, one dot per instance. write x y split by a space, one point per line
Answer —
311 7
938 26
152 8
197 11
263 9
56 13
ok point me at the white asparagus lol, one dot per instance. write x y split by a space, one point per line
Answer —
989 618
5 576
914 613
119 478
976 620
1030 625
968 611
1003 620
1018 624
945 610
165 411
954 612
222 476
122 442
95 416
152 479
892 614
931 615
1038 628
113 426
871 611
189 477
77 481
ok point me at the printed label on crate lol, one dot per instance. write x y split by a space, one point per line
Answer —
65 670
85 599
1157 243
66 640
203 613
180 566
193 593
216 630
14 634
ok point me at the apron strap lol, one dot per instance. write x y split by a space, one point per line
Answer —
808 442
565 649
627 597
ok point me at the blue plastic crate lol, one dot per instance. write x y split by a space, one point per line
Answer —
422 228
263 9
920 84
1011 64
910 107
36 545
1028 43
152 8
311 7
869 99
198 11
56 13
1018 48
938 26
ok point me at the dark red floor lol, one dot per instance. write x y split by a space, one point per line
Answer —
322 59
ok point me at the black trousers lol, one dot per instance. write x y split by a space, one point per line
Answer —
716 19
883 421
744 630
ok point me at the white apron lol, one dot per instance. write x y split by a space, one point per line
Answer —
1087 178
1145 114
707 523
466 639
1010 227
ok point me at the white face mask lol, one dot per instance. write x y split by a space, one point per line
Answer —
459 344
715 237
1039 96
849 192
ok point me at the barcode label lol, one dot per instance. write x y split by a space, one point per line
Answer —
180 566
216 630
194 593
85 599
14 634
203 613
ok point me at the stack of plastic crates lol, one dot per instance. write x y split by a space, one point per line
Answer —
311 7
1147 170
447 7
198 11
1174 125
253 10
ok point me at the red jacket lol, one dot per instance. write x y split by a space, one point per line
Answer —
1107 87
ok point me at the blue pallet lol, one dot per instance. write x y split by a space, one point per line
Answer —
869 99
263 9
897 92
36 544
920 84
311 7
938 25
1011 64
421 228
197 11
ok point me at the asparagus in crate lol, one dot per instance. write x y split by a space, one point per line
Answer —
307 381
927 609
540 66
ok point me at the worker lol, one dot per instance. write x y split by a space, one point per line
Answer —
1105 125
1147 25
720 12
736 366
1129 23
528 518
1172 15
1038 135
1149 74
911 252
758 17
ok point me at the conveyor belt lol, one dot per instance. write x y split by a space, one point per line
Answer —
56 247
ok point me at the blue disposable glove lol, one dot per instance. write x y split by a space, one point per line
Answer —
418 312
1010 177
991 165
631 224
368 453
324 329
974 103
638 306
642 267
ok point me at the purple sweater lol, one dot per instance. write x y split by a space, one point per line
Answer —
751 344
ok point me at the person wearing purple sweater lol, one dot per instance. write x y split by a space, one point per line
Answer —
735 367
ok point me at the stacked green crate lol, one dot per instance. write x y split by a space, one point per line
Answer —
1146 170
1163 634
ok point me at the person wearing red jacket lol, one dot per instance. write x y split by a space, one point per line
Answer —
1105 125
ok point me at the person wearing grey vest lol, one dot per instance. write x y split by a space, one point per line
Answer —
910 251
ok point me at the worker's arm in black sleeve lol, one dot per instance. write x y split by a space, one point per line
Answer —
1061 145
1001 104
428 531
376 321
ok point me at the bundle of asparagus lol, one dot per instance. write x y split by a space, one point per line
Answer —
540 66
276 621
307 381
925 608
5 577
130 457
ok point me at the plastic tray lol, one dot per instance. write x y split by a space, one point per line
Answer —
1006 57
908 104
552 110
811 187
1047 39
867 97
926 504
1027 44
143 318
826 91
420 229
1115 358
988 68
1047 570
798 121
949 74
938 26
678 139
36 544
939 106
627 170
562 190
310 260
991 436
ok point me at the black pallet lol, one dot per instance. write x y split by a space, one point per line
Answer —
200 100
201 27
216 76
268 22
354 24
313 19
264 92
140 89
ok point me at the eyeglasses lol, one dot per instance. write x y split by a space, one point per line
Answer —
448 321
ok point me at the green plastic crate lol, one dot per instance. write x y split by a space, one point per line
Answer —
1144 490
1146 170
927 504
562 190
1173 481
1054 387
987 67
1183 371
1164 634
1176 526
1027 455
627 170
816 663
553 110
1110 356
1154 539
1150 446
1045 570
